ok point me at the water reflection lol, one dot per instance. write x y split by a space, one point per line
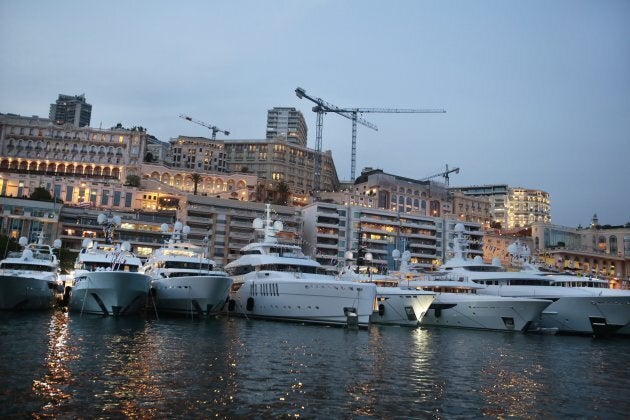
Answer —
53 387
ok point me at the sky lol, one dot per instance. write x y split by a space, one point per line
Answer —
536 93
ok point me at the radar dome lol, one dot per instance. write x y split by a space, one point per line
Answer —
57 243
395 254
368 256
126 246
186 230
406 255
496 262
478 260
164 227
277 225
348 255
87 243
117 220
101 219
258 223
459 227
23 241
178 225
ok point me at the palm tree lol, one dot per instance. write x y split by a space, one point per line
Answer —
195 179
260 192
283 193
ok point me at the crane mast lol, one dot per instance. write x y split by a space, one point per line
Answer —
321 108
214 128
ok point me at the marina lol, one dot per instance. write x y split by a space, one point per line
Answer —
231 367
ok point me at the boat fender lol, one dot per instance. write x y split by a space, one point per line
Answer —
381 309
250 304
231 305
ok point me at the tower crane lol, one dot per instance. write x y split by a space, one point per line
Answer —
214 128
356 111
321 108
445 174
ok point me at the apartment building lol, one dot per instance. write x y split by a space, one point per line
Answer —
331 229
288 123
72 110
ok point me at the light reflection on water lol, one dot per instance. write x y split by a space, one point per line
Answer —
64 365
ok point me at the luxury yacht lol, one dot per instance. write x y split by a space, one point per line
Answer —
458 303
29 278
393 304
276 281
184 280
574 310
106 278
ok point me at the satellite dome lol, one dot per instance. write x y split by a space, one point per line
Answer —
164 227
101 219
23 241
368 256
478 259
126 246
459 227
117 220
186 230
277 226
178 225
395 254
348 255
57 243
258 223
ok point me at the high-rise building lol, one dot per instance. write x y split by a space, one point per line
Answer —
288 123
71 110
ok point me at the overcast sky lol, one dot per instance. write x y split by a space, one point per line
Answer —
537 93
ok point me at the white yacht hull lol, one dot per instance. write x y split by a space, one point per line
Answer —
297 297
484 312
575 310
396 306
109 292
191 295
27 293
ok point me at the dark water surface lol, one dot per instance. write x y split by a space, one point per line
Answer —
59 365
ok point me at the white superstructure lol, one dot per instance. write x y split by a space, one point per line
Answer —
184 279
393 305
574 310
276 281
106 279
457 304
29 278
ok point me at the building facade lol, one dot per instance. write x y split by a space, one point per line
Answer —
198 154
601 250
377 189
330 230
277 160
511 207
72 110
288 123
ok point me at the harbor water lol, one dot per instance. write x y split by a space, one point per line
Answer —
64 365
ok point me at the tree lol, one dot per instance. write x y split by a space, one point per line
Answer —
195 179
283 193
132 181
260 192
41 193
